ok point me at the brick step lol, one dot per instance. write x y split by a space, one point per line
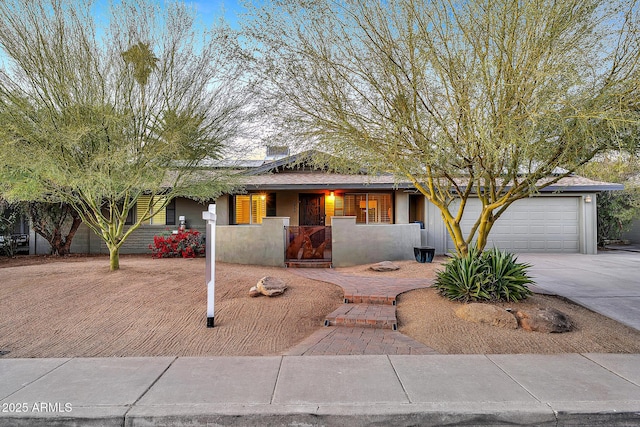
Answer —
370 299
308 264
377 316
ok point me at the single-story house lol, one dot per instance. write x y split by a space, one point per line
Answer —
352 219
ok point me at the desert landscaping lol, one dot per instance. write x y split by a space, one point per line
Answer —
76 307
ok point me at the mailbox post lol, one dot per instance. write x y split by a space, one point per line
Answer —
210 273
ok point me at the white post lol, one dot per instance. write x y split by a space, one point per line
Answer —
210 273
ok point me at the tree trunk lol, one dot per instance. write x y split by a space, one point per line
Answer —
455 232
66 248
56 241
482 233
486 223
114 258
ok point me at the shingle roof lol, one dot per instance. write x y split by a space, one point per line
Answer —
290 173
318 180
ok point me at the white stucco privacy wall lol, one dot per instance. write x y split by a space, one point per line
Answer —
361 244
262 244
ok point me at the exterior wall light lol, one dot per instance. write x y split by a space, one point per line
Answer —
587 199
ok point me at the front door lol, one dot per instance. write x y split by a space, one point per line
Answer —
311 209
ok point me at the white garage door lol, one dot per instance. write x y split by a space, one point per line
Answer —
537 224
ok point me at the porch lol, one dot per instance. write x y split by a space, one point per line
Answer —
343 244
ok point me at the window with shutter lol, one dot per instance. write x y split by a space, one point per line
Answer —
251 208
159 217
369 208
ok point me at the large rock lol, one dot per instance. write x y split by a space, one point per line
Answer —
546 320
487 314
271 286
384 266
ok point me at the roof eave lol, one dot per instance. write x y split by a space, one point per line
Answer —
582 188
409 186
331 187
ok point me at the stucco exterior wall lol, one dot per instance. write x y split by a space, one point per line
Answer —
252 244
401 208
222 210
287 206
192 211
361 244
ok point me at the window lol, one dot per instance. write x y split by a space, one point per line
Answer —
162 216
130 217
251 208
369 208
171 212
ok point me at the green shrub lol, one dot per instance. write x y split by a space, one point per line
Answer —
484 276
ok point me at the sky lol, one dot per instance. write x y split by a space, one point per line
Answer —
211 10
208 10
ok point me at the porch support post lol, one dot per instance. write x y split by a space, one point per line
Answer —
210 272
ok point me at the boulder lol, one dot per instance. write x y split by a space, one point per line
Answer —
384 266
547 320
271 286
487 314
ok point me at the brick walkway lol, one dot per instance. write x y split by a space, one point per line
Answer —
366 323
361 289
381 316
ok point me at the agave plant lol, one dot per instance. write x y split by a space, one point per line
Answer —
508 278
484 276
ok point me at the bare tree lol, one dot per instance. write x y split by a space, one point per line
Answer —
491 100
98 110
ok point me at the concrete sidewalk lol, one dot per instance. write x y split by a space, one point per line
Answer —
571 389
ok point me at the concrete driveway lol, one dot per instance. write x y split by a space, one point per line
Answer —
608 283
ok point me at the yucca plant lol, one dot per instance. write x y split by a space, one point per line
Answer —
484 276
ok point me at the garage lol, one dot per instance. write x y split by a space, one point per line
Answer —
536 224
